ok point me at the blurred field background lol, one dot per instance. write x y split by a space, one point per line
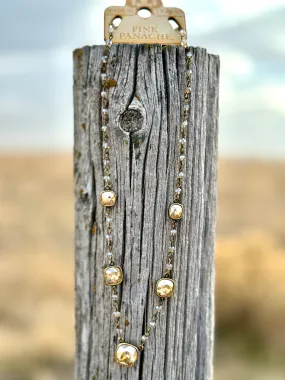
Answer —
36 269
36 186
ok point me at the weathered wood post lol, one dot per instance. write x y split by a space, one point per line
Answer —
144 114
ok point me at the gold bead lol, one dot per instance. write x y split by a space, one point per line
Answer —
164 287
108 198
175 211
126 355
113 275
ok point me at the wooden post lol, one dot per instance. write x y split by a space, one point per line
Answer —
145 110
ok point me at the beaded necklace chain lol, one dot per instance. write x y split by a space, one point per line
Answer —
127 354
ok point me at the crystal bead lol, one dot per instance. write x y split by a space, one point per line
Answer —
103 76
178 190
175 211
182 158
109 254
189 54
111 28
109 219
164 287
106 162
158 308
126 355
104 128
113 275
184 123
108 42
105 111
103 94
104 59
114 296
184 41
108 237
105 145
181 175
119 331
182 32
152 324
108 197
173 232
107 178
182 141
116 314
169 266
188 90
144 338
189 72
186 107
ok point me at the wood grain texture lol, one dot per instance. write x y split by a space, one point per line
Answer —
144 117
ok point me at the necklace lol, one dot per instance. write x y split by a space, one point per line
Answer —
127 354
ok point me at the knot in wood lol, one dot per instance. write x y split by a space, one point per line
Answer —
131 121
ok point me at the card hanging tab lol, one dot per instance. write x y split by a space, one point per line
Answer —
161 27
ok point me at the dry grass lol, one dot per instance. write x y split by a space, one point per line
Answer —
250 290
36 268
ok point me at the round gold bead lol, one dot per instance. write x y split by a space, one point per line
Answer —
175 211
164 287
126 355
108 198
113 275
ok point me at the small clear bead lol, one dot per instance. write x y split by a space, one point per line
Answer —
184 123
158 308
109 254
152 324
103 94
108 42
144 338
103 76
114 296
178 190
171 249
116 314
173 232
182 32
182 158
105 111
111 28
184 41
106 162
181 175
186 107
108 236
109 220
189 54
105 145
182 141
104 128
168 266
119 331
104 59
189 72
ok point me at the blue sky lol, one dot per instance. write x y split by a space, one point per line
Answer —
36 43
